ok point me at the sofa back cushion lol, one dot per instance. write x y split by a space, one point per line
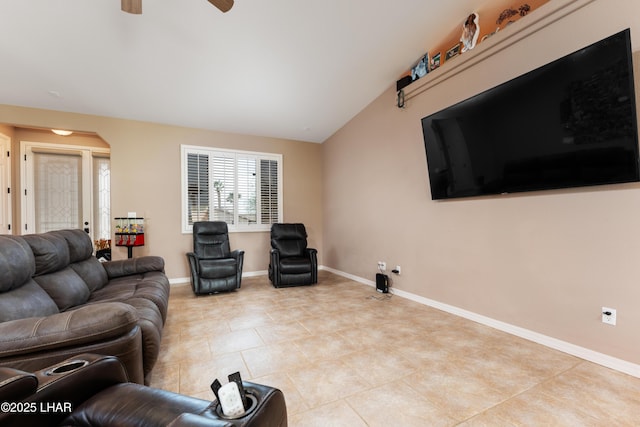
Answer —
79 242
29 300
20 296
65 287
53 255
50 250
81 257
211 239
289 239
92 272
16 263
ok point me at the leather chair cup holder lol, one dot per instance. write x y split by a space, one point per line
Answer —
67 366
253 403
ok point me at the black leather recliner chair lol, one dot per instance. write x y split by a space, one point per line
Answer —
91 390
214 267
292 262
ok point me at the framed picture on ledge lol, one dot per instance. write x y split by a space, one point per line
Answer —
421 68
435 61
453 52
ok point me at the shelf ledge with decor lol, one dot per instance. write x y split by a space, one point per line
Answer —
537 20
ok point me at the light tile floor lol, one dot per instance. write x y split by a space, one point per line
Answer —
344 355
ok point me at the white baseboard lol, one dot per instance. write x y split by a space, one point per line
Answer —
179 280
255 273
572 349
348 276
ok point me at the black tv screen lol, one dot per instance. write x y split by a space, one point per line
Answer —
570 123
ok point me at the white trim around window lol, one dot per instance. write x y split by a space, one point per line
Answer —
242 188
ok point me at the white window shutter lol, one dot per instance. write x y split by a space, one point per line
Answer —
197 187
239 187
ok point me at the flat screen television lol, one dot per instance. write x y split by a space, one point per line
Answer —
570 123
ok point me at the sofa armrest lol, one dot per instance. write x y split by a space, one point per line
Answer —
16 384
127 267
237 254
274 252
63 387
274 266
194 259
193 262
88 324
312 253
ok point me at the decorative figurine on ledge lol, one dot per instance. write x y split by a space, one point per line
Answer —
470 32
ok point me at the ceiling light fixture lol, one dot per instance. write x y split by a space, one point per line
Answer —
61 132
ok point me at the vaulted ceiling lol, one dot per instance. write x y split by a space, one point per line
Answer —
297 69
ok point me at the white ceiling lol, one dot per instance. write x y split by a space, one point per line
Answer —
297 69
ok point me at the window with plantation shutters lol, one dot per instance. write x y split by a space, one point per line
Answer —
223 178
269 199
239 187
197 187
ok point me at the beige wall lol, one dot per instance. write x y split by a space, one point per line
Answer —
544 261
145 167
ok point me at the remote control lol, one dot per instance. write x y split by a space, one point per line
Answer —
236 378
230 400
215 386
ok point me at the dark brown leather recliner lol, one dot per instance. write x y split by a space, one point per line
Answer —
292 262
214 267
91 390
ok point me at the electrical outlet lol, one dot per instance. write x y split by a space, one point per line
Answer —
397 270
609 316
382 266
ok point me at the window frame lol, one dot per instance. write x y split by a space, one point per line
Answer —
236 227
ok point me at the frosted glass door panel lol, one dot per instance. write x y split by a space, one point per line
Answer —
57 191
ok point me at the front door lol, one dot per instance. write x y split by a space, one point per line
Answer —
64 187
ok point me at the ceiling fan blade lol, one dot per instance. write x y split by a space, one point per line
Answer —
223 5
132 6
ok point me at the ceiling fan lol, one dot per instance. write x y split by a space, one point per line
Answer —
135 6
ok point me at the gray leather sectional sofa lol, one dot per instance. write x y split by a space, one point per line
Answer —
57 300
